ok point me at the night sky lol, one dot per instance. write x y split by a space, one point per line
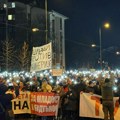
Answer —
85 19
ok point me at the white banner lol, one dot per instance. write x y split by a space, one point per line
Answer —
90 106
41 58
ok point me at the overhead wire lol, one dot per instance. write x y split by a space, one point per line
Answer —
87 45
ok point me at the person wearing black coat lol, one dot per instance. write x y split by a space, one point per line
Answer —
5 101
69 105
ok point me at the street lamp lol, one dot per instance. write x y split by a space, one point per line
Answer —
93 45
117 53
35 29
106 26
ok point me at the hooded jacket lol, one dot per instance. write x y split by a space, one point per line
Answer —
107 92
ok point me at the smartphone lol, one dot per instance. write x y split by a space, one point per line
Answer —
10 84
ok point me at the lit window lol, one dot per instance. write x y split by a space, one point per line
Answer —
10 5
10 17
13 5
4 5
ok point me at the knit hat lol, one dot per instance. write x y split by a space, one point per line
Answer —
107 80
90 82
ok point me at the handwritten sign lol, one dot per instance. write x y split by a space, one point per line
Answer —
41 58
57 72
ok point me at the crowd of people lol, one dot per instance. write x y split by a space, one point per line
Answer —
69 90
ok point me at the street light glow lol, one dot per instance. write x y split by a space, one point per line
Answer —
107 25
93 45
35 29
118 53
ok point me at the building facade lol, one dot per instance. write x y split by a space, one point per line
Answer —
57 35
18 20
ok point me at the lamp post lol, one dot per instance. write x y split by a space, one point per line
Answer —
7 38
100 47
46 21
106 26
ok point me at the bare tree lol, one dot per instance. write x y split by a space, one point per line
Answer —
8 54
24 57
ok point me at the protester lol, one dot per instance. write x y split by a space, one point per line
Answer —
107 98
69 89
21 86
46 87
79 88
69 104
6 95
90 88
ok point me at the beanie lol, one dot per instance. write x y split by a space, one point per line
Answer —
107 80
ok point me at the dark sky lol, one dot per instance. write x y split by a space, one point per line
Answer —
85 18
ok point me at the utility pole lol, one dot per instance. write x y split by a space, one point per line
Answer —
6 2
106 26
46 21
101 64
